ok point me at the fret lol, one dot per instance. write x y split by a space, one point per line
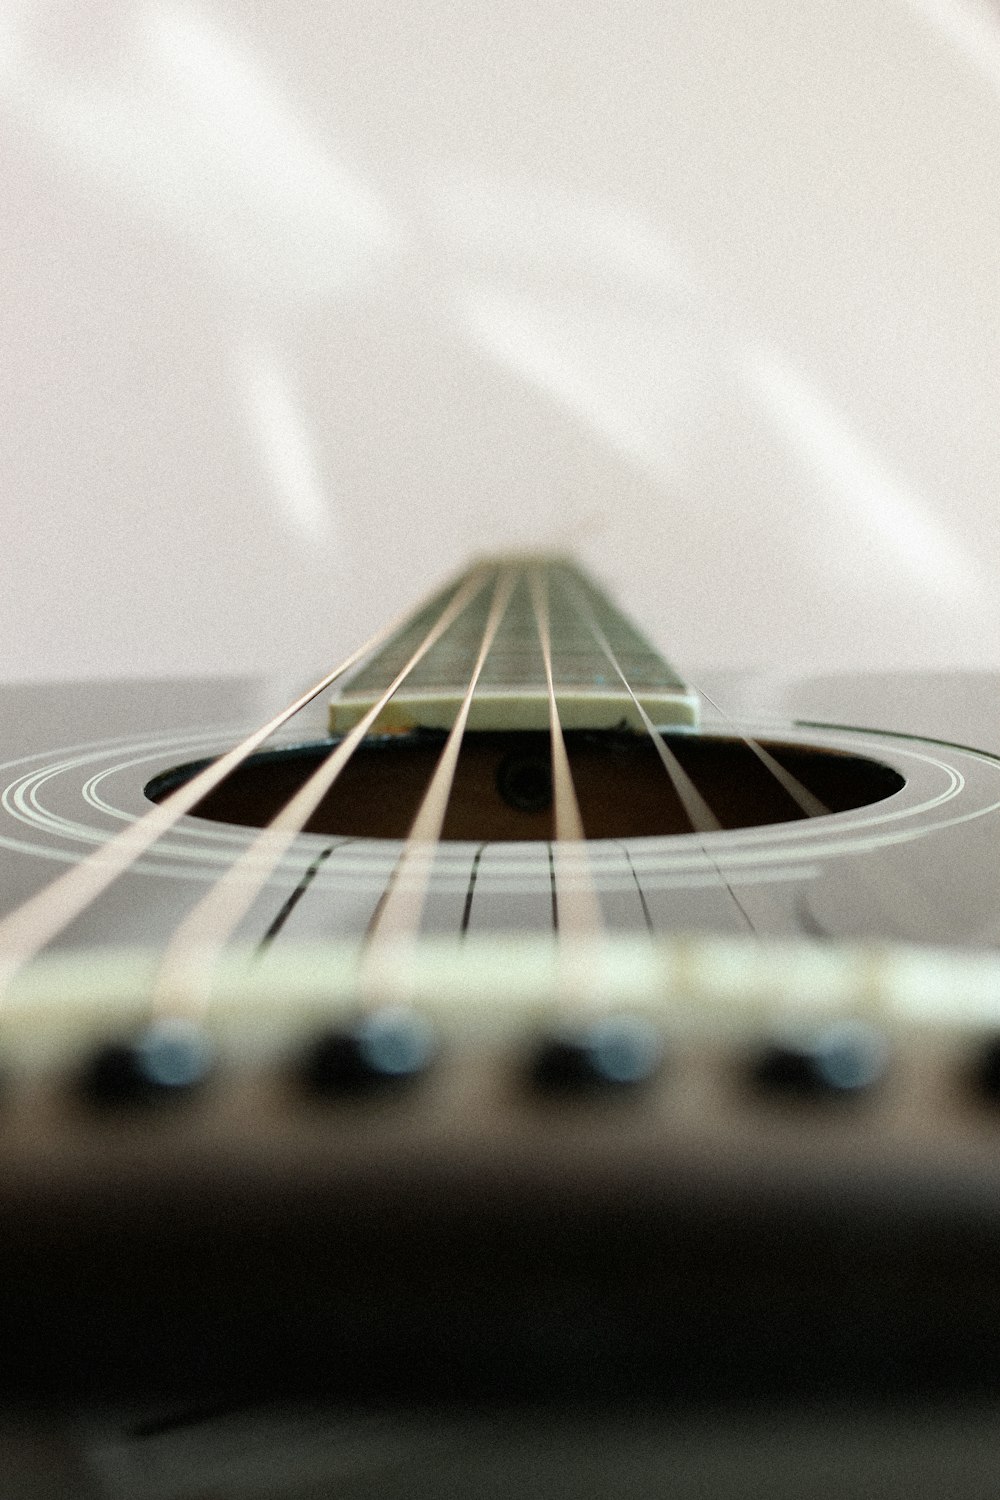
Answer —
512 691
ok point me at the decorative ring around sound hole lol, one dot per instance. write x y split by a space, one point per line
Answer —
502 789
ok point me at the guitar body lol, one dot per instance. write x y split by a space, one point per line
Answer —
472 1237
914 864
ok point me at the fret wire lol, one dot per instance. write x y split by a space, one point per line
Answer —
34 924
646 913
470 891
398 913
553 894
183 979
292 901
576 897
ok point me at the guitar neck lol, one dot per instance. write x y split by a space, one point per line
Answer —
594 650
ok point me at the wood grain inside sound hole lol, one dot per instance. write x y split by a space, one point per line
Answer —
619 780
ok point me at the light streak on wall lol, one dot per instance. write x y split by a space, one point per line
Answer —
288 453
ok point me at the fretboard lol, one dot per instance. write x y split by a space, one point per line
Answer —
593 648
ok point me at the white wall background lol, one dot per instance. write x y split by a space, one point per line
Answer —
302 303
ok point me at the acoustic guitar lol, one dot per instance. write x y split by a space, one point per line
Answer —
504 1023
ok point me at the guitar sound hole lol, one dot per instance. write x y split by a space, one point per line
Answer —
502 788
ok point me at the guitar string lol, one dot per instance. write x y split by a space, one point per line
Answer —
699 814
923 908
576 902
398 914
805 800
183 977
701 817
42 917
34 924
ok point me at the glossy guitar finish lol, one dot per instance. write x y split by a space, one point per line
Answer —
732 1221
305 302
